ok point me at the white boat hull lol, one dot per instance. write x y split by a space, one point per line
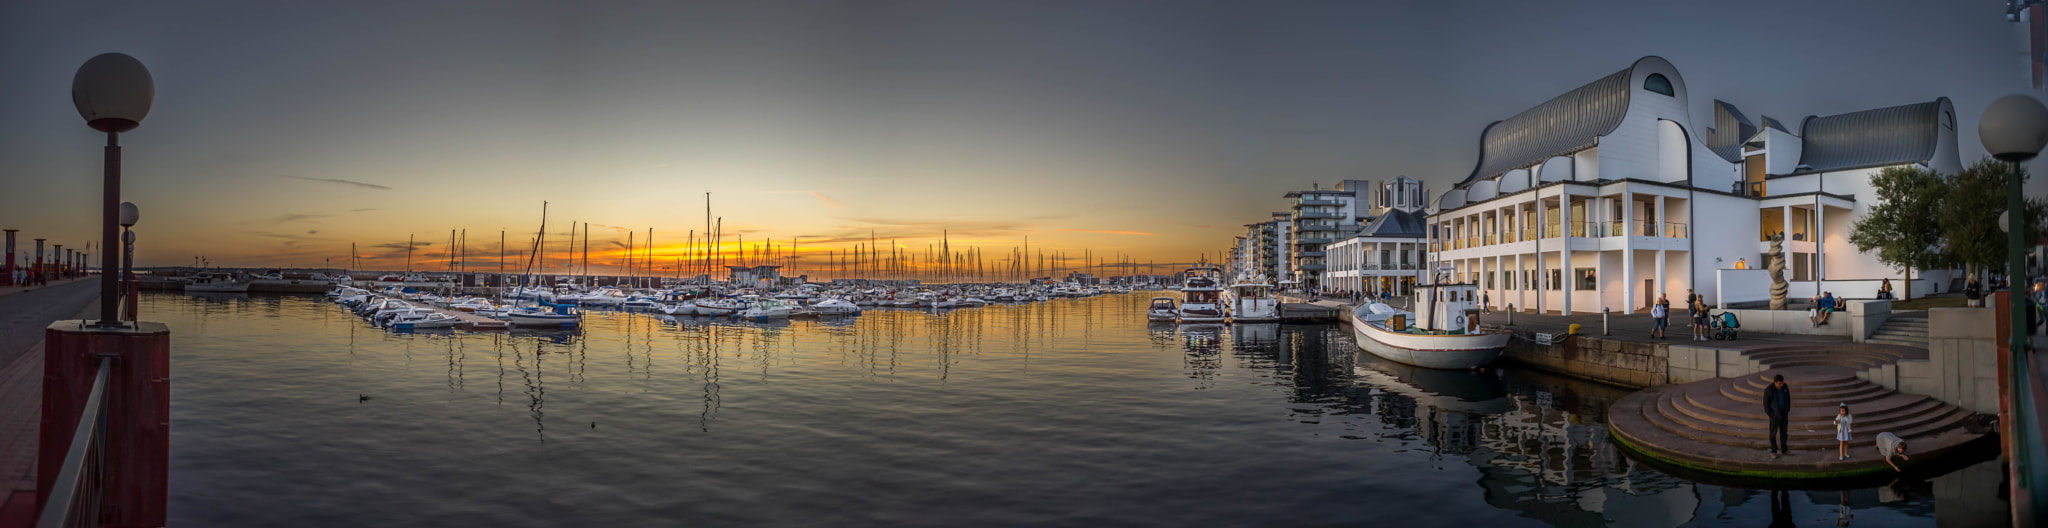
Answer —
1430 351
528 319
228 287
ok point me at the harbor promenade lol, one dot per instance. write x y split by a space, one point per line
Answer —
1699 404
27 312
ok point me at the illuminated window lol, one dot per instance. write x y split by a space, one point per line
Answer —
1657 83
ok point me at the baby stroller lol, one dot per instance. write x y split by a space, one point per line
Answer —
1723 325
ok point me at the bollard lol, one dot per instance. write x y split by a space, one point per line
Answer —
1603 320
8 277
1511 314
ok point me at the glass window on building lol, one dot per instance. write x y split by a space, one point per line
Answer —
1556 280
1658 83
1586 279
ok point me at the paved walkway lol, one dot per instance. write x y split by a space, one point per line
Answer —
23 316
1622 327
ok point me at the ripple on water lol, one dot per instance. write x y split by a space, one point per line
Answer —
1072 412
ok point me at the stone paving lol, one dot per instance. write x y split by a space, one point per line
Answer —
24 313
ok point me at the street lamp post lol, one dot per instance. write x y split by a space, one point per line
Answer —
113 92
2013 129
129 214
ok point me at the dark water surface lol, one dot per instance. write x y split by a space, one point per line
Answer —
1074 412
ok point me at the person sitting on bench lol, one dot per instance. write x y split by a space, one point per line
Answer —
1822 306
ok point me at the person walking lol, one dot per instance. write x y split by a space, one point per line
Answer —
1485 302
1842 419
1660 317
1778 407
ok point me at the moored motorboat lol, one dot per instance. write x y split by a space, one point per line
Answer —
1447 335
1162 310
1252 303
1200 303
216 282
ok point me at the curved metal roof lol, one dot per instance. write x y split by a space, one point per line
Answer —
1884 136
1568 123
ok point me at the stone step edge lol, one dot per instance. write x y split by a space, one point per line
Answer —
1761 442
1814 429
1723 415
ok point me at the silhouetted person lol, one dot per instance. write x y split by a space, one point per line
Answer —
1781 509
1778 407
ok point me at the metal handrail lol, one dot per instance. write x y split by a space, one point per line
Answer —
75 496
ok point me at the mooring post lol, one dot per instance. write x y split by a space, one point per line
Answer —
1603 320
1511 313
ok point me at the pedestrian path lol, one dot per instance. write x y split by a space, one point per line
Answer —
21 383
1718 425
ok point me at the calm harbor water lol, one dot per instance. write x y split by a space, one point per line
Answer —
290 411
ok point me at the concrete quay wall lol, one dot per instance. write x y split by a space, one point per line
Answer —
1612 361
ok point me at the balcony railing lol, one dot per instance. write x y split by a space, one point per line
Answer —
1306 214
1492 239
1552 231
1307 202
75 495
1676 230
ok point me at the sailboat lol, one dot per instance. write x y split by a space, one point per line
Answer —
546 313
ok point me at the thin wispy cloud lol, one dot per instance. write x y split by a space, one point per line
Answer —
343 182
293 217
829 201
1109 232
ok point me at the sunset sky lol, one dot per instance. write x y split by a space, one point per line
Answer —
284 132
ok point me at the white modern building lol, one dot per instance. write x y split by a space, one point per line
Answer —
1609 195
1322 217
1270 257
1387 255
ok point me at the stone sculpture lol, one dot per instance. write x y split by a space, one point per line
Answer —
1777 267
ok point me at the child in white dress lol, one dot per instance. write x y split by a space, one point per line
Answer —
1842 419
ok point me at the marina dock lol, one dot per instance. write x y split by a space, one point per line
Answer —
470 321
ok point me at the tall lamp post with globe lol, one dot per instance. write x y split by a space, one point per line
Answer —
113 92
2013 129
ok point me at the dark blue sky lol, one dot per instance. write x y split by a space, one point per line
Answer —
1150 128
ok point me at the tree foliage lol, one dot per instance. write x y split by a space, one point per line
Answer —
1904 229
1970 210
1924 220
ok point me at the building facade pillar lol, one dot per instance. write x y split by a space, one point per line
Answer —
1628 252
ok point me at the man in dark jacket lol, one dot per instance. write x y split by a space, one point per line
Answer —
1778 406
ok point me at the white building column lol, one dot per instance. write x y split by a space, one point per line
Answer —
1542 289
1820 237
1628 252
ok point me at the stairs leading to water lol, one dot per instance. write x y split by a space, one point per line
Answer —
1719 424
1905 328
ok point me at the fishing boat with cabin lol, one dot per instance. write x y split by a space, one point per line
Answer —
1445 335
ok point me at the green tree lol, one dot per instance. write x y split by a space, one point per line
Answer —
1904 227
1969 215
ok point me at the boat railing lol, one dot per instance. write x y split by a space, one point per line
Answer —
75 495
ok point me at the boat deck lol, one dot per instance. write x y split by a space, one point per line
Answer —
469 320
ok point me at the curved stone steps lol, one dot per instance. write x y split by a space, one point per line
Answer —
1805 432
1833 397
1903 423
1718 425
1751 415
